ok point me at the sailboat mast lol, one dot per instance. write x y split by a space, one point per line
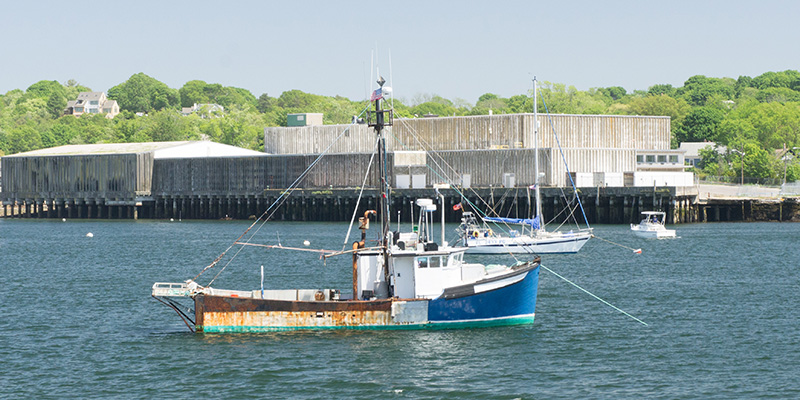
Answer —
536 183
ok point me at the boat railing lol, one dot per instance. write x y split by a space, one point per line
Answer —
171 289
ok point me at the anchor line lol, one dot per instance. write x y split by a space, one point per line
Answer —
637 251
593 295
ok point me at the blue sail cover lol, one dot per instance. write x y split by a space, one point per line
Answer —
534 223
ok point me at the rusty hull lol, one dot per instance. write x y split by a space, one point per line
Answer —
228 314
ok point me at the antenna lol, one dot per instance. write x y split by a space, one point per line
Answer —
371 68
391 80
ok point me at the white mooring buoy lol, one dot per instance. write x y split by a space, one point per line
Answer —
306 242
90 234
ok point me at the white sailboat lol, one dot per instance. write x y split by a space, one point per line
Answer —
532 237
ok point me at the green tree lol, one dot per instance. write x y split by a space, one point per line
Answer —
772 125
265 103
665 89
23 138
676 109
167 126
789 79
701 124
141 93
778 94
488 101
56 105
519 104
558 99
614 92
700 90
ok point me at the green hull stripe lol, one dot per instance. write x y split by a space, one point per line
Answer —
526 319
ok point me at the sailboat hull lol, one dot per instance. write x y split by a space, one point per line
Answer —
510 300
561 243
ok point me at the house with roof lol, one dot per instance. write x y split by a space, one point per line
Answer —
92 103
204 109
692 151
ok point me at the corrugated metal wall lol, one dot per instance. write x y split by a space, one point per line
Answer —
486 167
85 176
251 175
477 133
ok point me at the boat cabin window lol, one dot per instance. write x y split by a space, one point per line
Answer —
429 262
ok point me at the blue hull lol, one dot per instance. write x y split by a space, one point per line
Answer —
486 303
516 302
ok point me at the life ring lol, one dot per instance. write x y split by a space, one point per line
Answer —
475 234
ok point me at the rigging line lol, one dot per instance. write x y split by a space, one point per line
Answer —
491 210
360 193
593 295
278 246
638 251
563 158
279 201
424 145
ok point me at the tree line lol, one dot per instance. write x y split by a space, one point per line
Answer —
751 118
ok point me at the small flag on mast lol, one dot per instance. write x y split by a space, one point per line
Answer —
377 94
456 207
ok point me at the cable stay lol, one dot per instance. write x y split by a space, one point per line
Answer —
593 295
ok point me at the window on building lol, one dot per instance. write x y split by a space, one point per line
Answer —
673 159
651 158
639 158
662 158
93 102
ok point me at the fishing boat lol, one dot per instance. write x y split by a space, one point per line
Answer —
405 281
652 226
532 237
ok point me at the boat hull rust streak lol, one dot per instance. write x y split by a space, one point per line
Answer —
512 304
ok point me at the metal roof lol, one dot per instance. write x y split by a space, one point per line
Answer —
188 148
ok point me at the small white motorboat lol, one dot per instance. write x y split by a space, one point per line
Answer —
652 226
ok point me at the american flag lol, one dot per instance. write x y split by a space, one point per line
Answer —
377 94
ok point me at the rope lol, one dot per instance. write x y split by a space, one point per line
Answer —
637 251
593 295
360 194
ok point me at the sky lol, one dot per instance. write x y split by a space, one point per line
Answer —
458 50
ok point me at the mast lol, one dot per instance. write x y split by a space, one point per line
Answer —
536 159
379 119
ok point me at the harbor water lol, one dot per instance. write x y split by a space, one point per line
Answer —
721 304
